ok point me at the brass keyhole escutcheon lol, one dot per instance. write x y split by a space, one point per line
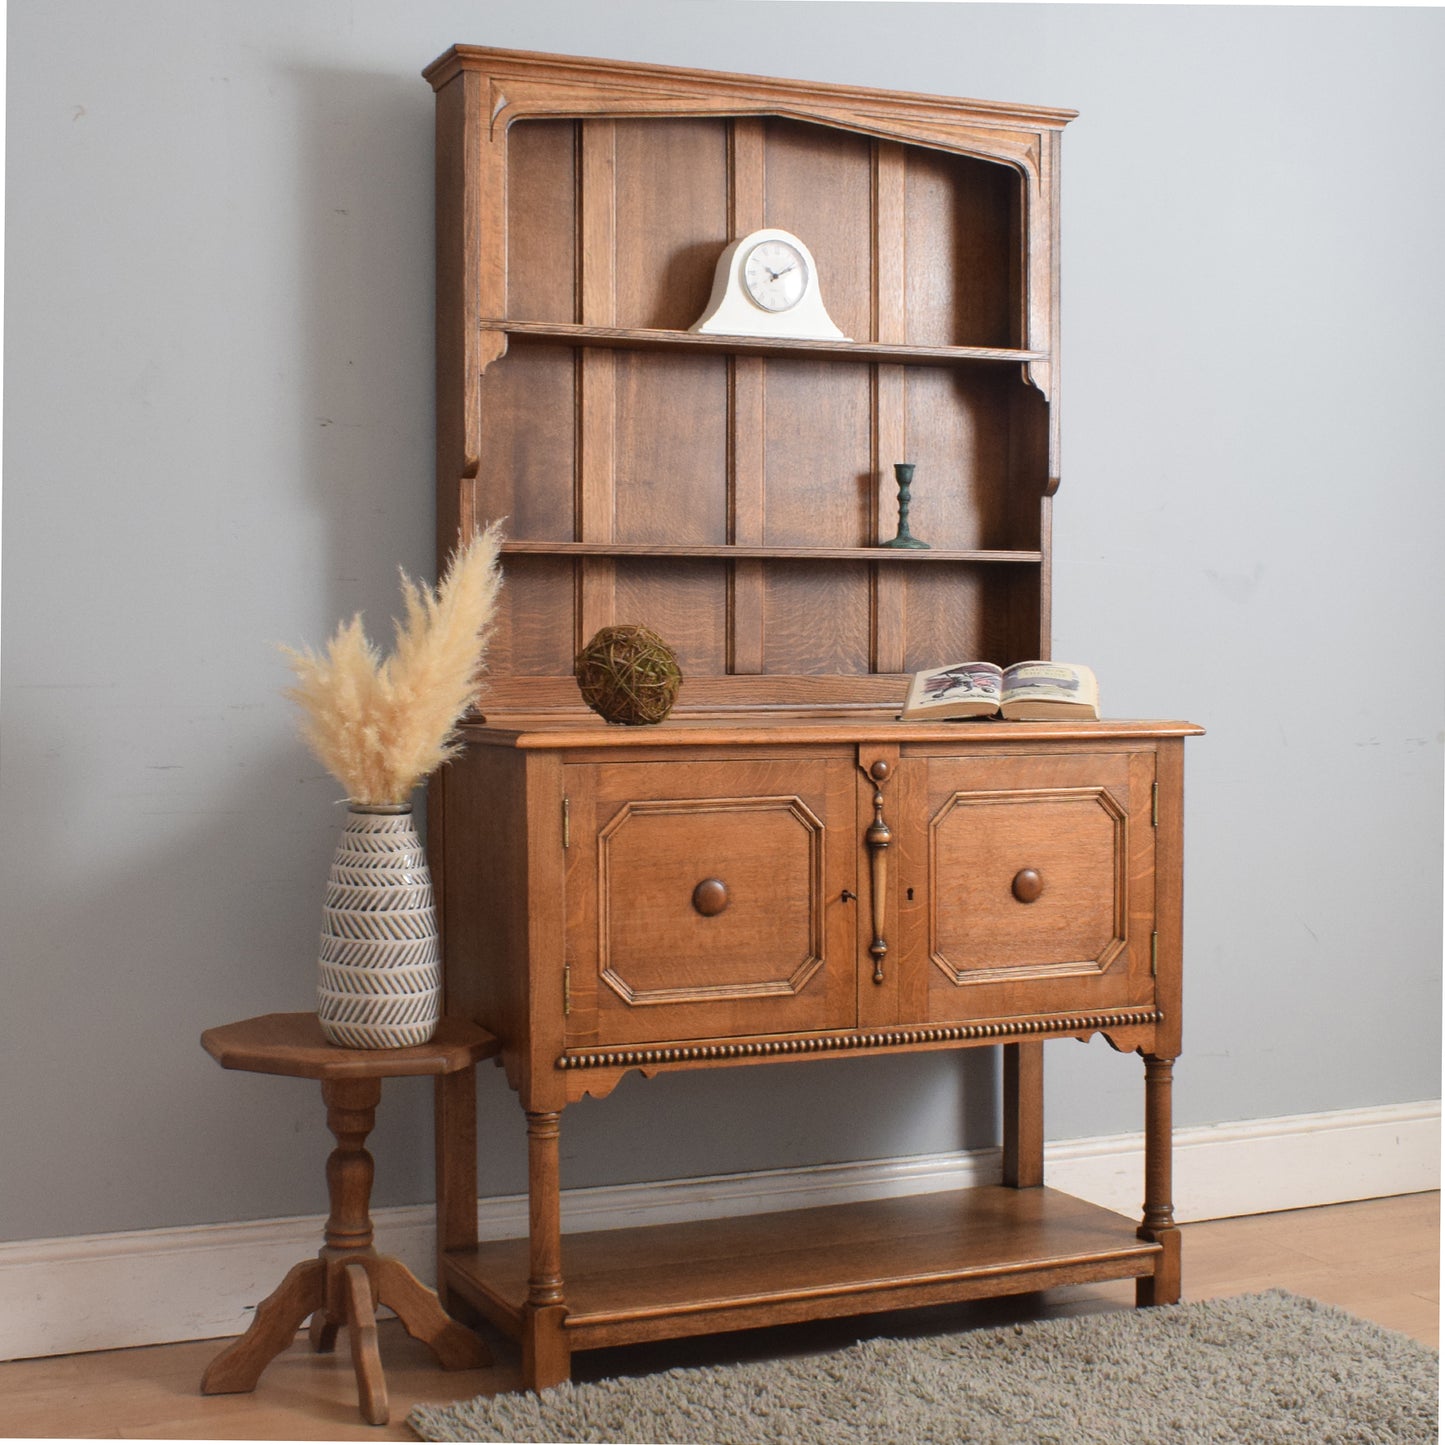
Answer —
710 897
1027 885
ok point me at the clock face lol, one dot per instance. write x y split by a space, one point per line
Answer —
775 275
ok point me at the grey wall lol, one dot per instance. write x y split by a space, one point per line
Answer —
218 435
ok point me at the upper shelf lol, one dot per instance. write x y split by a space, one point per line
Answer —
627 339
734 552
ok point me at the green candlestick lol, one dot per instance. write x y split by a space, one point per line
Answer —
904 472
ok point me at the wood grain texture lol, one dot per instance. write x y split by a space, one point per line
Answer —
646 964
892 352
671 219
818 185
1023 1115
542 220
293 1044
595 205
958 225
343 1285
781 870
1073 819
669 1280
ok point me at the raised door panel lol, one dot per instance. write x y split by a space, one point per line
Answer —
1039 893
704 900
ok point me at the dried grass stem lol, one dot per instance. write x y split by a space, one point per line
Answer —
382 725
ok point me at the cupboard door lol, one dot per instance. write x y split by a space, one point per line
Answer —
704 899
1039 893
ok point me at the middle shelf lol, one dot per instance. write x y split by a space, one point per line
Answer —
897 353
726 551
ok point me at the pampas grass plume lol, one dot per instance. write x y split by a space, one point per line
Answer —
382 725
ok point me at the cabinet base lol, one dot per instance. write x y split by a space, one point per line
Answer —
664 1281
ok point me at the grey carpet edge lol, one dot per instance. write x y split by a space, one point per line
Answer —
1382 1387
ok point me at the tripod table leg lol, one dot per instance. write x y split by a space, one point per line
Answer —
365 1356
237 1368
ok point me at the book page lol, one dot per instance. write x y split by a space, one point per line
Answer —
1051 682
967 681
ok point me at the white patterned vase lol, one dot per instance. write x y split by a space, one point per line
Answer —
381 983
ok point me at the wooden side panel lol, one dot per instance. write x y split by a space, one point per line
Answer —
958 439
536 623
816 618
959 218
1170 900
819 184
542 221
951 614
685 603
528 443
672 218
1024 624
817 476
485 919
1028 481
671 462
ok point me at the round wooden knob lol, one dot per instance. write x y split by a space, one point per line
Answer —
879 771
1027 885
710 897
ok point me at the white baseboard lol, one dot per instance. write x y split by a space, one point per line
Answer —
1258 1166
100 1292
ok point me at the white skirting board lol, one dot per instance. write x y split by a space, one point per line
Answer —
100 1292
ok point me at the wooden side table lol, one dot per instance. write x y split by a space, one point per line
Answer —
348 1279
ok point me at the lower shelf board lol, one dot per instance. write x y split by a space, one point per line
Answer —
622 1286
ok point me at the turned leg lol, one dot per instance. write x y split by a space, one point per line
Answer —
1164 1286
546 1356
350 1115
1023 1114
348 1253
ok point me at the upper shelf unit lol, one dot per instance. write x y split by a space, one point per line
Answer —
725 488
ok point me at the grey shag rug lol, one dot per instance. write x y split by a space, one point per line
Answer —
1253 1369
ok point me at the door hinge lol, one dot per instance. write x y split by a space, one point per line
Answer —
1154 806
566 989
566 821
1154 954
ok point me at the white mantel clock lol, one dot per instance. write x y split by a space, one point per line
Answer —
766 284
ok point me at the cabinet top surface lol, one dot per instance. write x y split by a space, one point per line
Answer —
501 63
525 730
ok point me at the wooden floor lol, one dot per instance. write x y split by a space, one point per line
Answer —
1379 1259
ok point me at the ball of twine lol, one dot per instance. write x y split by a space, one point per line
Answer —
628 674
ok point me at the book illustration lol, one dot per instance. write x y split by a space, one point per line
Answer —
1033 691
968 679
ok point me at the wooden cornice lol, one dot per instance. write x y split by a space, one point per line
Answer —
776 96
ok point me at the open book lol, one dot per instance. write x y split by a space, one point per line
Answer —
1029 690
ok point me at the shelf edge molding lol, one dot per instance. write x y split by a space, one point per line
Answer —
558 333
726 551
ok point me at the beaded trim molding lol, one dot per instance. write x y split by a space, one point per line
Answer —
832 1043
